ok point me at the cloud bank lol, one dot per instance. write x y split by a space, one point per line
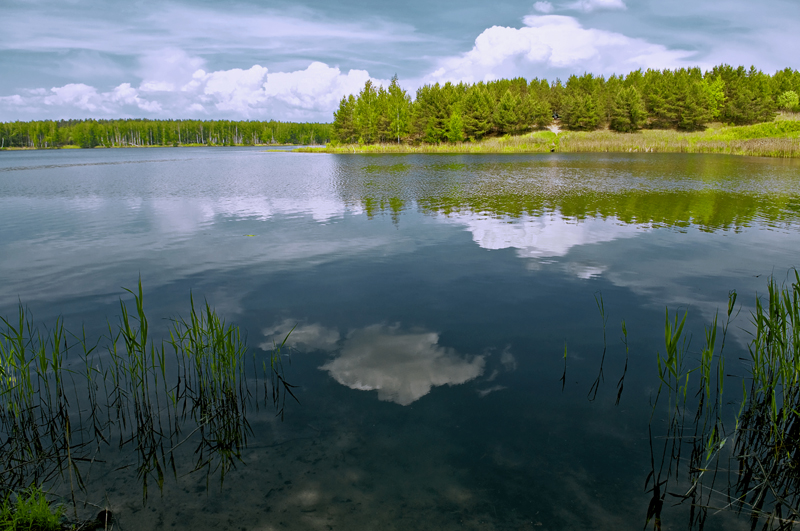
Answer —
174 88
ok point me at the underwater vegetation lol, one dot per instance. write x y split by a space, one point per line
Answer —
64 398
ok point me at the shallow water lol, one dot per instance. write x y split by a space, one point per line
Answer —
431 299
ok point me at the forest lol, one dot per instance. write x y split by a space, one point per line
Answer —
685 99
124 133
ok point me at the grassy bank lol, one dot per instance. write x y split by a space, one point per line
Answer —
780 138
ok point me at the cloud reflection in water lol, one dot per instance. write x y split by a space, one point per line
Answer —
549 235
403 366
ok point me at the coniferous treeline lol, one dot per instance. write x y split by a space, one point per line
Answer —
121 133
685 99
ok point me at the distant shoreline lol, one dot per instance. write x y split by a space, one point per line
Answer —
780 139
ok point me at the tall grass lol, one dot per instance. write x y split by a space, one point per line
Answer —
537 142
667 141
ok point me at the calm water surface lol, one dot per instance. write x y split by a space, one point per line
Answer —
431 299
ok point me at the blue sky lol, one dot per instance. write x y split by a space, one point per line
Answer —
294 61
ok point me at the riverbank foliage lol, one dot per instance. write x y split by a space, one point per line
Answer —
141 133
682 99
779 138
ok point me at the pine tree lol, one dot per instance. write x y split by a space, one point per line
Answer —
534 112
580 107
476 112
579 112
455 127
658 92
687 102
431 114
505 114
556 97
629 113
748 95
366 114
714 88
343 120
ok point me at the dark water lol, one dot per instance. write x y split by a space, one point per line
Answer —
432 297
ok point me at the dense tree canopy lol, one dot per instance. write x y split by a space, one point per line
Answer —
117 133
686 99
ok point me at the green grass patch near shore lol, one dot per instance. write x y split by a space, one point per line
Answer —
30 512
780 138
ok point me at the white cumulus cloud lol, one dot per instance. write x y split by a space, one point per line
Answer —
234 90
75 94
310 94
318 87
543 7
127 95
553 42
86 98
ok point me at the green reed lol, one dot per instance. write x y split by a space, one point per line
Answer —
35 412
705 432
598 299
621 382
58 410
761 469
213 375
768 442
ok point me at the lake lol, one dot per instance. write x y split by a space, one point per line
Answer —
428 302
